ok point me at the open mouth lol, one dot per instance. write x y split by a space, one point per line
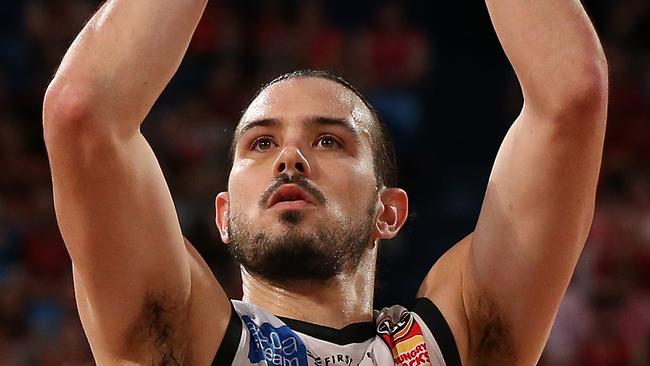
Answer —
290 196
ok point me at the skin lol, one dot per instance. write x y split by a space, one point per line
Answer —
343 172
509 276
146 297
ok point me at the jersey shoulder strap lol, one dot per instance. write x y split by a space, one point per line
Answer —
438 325
421 335
231 339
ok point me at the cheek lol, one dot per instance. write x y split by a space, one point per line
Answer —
353 186
244 187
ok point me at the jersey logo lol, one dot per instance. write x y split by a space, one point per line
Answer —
405 340
338 359
278 346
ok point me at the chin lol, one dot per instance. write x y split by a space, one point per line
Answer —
292 217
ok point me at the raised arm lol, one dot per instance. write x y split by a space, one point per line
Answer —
134 275
510 275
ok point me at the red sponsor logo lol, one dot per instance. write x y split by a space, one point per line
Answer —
405 340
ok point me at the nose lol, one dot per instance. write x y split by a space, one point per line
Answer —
291 161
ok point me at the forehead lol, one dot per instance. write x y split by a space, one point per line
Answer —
304 97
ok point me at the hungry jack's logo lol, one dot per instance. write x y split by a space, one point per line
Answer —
405 340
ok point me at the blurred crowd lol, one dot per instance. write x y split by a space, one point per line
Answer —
436 75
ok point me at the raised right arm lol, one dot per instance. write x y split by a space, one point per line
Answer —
134 276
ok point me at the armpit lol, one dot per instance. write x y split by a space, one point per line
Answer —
162 332
491 340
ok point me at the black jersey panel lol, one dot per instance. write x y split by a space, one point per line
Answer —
352 333
437 324
230 343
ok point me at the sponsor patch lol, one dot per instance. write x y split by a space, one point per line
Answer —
339 359
405 340
278 346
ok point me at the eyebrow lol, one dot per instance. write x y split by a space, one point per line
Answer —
265 122
317 120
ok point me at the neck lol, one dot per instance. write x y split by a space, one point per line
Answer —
337 302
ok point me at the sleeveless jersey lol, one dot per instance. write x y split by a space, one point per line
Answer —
397 337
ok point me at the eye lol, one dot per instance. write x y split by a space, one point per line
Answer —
262 144
327 142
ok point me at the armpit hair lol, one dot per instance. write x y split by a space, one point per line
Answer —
492 342
162 331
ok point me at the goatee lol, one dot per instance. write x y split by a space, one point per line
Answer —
295 255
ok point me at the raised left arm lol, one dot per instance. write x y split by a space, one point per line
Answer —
538 207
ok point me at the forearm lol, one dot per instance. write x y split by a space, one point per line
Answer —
554 51
121 61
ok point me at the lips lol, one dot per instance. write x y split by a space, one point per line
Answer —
289 193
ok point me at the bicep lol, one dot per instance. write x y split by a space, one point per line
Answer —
120 227
533 223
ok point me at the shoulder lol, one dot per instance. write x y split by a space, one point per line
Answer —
209 311
475 322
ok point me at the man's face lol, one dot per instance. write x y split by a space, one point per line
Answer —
302 195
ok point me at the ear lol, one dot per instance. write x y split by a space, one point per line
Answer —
222 207
393 212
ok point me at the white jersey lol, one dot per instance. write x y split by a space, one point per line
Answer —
397 337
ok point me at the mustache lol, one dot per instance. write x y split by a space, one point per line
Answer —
297 179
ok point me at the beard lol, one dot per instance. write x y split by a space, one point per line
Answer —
295 255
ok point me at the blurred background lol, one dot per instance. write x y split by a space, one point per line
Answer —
438 76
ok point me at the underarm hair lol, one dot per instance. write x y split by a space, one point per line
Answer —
163 328
492 342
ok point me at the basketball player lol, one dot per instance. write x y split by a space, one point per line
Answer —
311 195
